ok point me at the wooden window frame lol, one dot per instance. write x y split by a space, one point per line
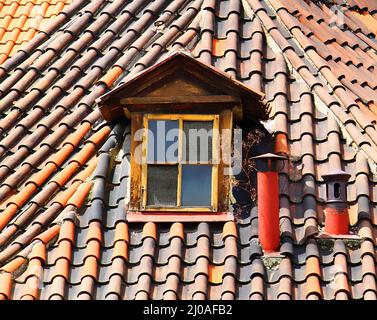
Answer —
214 161
134 208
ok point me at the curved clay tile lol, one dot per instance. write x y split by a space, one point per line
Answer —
64 171
20 21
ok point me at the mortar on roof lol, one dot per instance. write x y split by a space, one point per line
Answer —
20 270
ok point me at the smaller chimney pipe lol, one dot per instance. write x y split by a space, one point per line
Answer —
268 201
337 217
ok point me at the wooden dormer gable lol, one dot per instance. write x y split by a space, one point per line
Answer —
182 84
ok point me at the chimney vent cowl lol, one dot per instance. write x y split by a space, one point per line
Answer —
337 217
336 189
269 162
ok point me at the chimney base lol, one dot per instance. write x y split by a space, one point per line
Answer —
272 254
324 235
336 221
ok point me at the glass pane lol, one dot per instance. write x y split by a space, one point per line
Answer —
198 141
162 185
162 141
196 185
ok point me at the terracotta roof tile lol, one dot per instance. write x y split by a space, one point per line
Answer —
149 230
177 230
39 251
13 265
215 274
55 147
67 232
5 285
230 229
49 234
20 22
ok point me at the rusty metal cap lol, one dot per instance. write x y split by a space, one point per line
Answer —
336 175
270 155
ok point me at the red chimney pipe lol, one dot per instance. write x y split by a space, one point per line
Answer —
268 210
268 201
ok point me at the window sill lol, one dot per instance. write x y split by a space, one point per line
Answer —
171 216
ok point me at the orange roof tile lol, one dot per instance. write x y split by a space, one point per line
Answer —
176 230
120 250
80 195
7 214
219 46
90 267
30 291
149 230
313 273
21 20
62 267
67 232
121 232
14 264
63 197
54 145
38 251
94 232
230 229
49 234
111 76
313 287
215 274
5 285
281 143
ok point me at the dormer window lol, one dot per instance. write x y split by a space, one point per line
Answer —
181 113
180 162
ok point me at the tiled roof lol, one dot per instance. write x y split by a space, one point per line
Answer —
21 19
64 171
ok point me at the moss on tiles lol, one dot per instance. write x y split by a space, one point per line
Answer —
326 244
271 263
113 152
89 197
353 244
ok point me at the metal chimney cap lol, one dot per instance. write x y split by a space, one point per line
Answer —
270 155
336 175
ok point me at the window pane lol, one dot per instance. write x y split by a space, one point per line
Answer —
198 141
196 185
162 185
162 141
